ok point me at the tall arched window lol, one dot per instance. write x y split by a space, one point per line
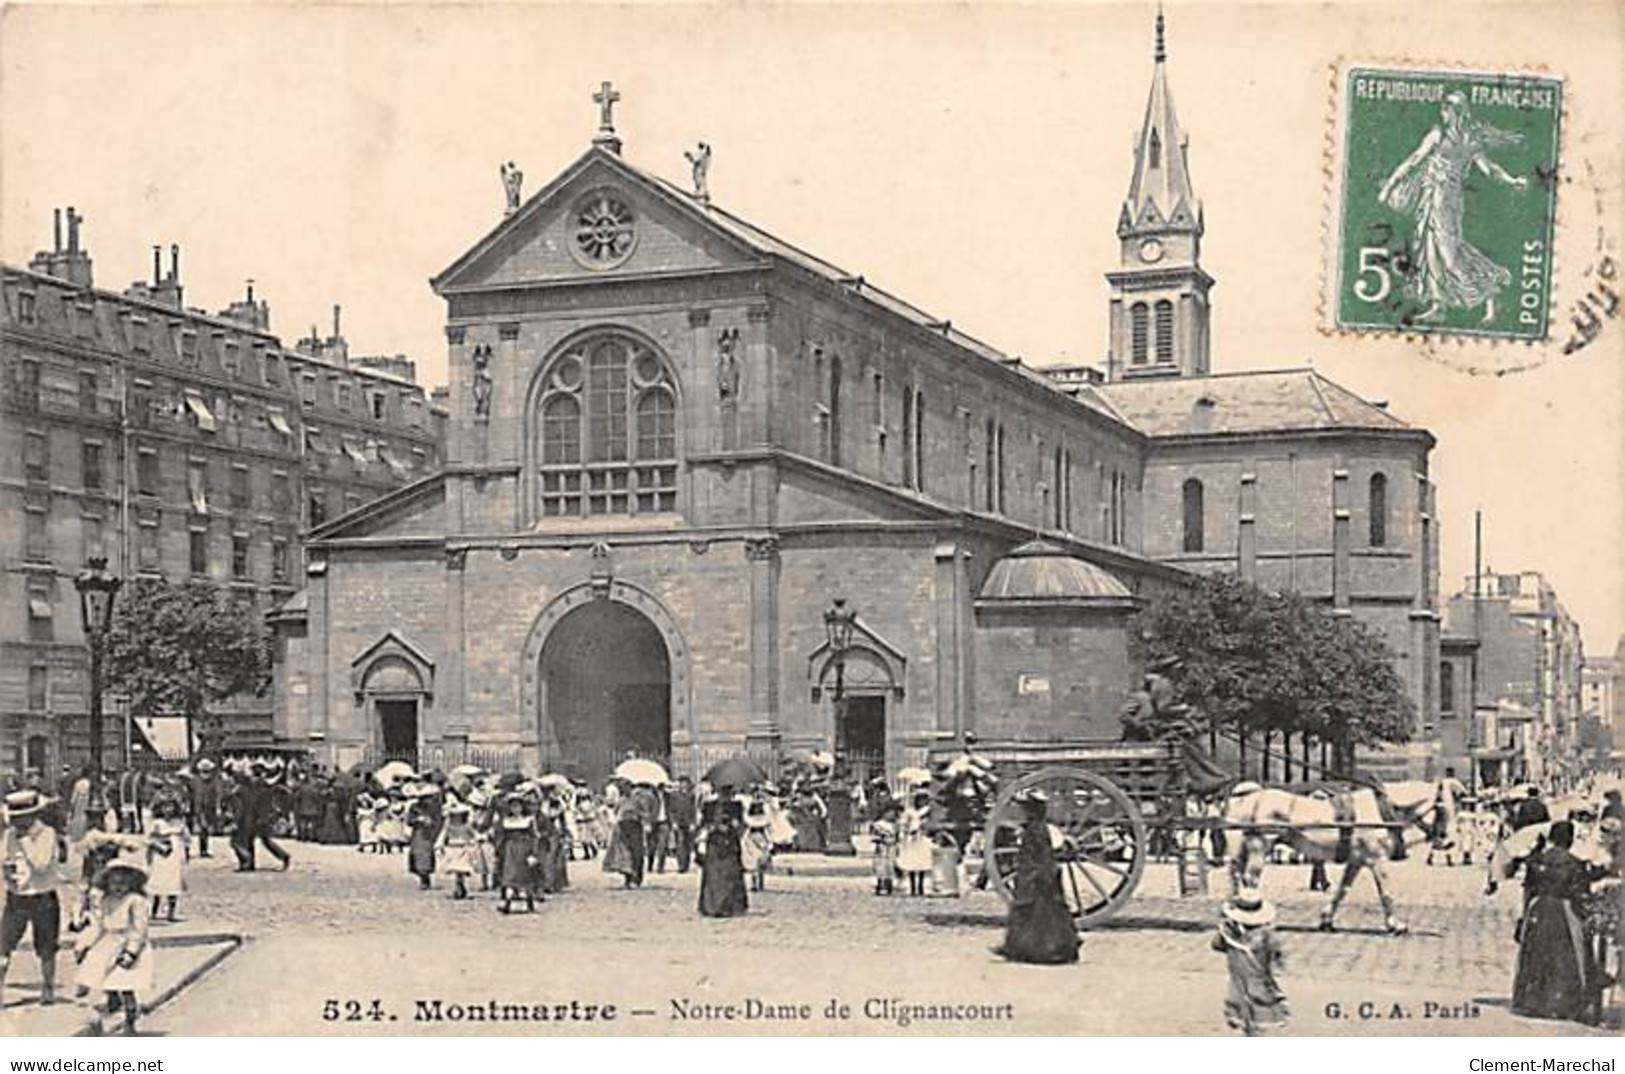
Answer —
835 410
1156 150
1139 319
1378 510
623 458
1193 516
1165 330
992 451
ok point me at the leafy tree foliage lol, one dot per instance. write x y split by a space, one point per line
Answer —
177 649
1257 662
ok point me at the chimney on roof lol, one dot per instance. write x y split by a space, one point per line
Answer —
337 334
157 264
68 263
250 284
175 263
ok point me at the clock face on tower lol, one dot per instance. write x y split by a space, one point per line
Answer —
1150 251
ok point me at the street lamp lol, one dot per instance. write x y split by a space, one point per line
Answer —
97 589
838 625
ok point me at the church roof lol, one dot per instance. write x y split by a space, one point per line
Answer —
1043 571
1160 195
1274 401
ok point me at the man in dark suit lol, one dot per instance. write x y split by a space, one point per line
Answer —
681 817
256 809
659 830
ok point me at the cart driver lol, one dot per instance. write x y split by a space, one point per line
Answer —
1152 710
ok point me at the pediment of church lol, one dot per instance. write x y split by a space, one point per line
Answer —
601 218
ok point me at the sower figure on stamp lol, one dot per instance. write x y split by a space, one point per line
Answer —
1449 272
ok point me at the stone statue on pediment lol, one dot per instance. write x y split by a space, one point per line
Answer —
727 365
699 161
512 180
482 381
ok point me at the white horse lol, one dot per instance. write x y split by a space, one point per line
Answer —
1349 826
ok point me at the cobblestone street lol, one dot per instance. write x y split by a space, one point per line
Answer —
350 927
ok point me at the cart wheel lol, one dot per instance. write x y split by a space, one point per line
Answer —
1097 833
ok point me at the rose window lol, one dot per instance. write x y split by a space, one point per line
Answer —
604 230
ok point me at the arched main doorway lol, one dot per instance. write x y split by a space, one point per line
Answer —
606 689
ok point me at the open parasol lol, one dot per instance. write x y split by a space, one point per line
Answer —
392 773
733 773
468 771
556 780
642 770
913 777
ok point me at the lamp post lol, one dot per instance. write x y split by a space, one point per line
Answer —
838 626
97 589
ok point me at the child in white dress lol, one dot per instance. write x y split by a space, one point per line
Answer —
113 952
168 848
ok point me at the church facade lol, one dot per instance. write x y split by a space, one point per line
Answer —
676 440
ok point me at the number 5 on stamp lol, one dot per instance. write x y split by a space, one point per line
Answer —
1446 200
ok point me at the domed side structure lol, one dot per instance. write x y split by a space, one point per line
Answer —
1041 573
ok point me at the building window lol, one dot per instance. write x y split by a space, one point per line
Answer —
341 395
1447 690
198 551
281 498
1193 516
146 472
622 459
1139 319
1059 498
189 346
147 545
1066 490
25 307
279 560
919 439
377 399
1378 509
1000 452
1156 150
87 393
308 389
1165 331
990 449
37 458
315 508
39 679
37 535
91 529
239 555
40 613
835 410
90 457
228 360
908 438
241 499
197 485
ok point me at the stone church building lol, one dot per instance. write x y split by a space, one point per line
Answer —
676 439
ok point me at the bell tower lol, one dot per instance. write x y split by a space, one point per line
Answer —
1159 293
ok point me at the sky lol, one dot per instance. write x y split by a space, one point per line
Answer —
971 159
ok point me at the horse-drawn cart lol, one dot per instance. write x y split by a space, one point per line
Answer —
1109 802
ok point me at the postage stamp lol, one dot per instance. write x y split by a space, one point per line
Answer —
1446 202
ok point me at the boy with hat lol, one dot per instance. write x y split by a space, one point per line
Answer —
1246 938
28 856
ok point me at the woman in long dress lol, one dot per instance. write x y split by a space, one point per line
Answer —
1557 975
555 845
1448 271
1040 927
722 869
425 824
455 848
113 952
626 847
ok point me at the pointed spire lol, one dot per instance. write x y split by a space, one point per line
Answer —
1160 193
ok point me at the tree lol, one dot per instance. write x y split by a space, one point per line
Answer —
179 648
1268 664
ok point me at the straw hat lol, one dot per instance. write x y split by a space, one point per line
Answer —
1249 907
205 765
130 859
25 803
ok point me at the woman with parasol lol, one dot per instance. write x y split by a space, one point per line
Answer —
722 869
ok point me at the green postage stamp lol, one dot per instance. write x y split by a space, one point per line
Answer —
1446 202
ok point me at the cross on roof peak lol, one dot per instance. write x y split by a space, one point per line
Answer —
605 99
